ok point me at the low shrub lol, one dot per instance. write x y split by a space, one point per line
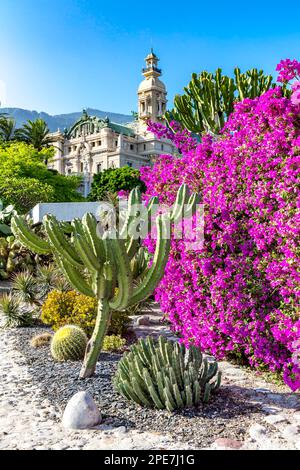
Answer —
63 308
113 343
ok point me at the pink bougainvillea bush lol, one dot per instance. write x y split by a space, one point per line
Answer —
240 294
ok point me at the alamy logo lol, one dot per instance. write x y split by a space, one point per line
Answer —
138 222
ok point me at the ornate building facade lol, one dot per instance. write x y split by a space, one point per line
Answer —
92 144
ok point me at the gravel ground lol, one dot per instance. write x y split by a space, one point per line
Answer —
246 413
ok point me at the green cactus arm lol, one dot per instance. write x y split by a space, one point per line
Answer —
73 276
138 391
66 227
59 242
129 392
146 351
212 370
120 387
191 205
168 394
132 247
89 225
139 360
176 364
182 198
206 394
160 386
134 199
196 392
216 385
96 341
124 275
203 372
170 407
137 372
27 237
156 271
86 253
177 396
189 395
150 345
171 375
152 208
151 387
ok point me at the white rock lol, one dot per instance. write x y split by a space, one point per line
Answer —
275 419
270 409
262 390
120 430
144 320
257 431
297 444
291 432
81 412
296 416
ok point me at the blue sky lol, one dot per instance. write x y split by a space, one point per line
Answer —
62 55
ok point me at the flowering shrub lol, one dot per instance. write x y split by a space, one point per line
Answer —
65 308
240 294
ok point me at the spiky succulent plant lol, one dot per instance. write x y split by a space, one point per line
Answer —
25 287
164 374
41 340
13 313
98 263
68 343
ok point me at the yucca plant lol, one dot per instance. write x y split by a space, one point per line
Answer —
25 288
49 277
14 315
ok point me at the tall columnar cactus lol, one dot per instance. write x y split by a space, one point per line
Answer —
209 98
99 265
166 375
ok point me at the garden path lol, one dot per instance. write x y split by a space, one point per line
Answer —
28 420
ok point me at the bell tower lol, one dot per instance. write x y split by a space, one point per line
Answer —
152 93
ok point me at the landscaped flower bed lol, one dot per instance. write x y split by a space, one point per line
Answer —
239 296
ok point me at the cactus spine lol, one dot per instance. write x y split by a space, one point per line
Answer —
68 343
100 266
166 375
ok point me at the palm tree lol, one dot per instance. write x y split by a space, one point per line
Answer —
35 133
7 128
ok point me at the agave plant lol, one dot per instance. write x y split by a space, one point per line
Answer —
49 277
14 314
25 288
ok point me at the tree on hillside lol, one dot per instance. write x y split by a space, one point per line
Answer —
209 98
114 180
7 128
35 133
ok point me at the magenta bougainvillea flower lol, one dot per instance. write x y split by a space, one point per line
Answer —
240 294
